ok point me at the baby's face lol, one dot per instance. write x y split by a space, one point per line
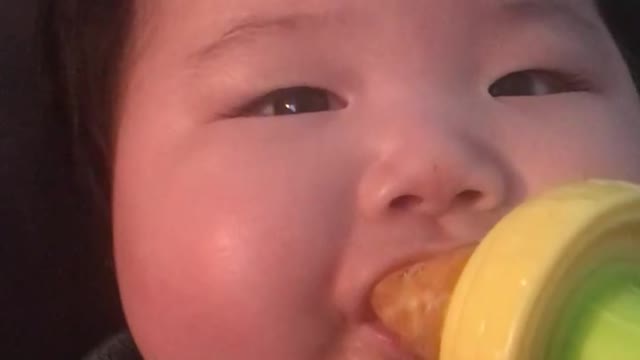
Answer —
276 157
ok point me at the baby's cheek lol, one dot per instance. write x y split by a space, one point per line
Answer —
611 150
228 248
198 278
230 304
568 138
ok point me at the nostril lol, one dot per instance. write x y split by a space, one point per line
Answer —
468 197
405 202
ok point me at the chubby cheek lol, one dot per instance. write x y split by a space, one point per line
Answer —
554 143
214 264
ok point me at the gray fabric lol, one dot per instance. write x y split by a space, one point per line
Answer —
119 347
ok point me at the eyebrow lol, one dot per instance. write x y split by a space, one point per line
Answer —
243 28
541 9
246 28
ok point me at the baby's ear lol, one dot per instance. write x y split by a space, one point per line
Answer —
119 347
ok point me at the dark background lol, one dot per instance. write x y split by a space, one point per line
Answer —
57 290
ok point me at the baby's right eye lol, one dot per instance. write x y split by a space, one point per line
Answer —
294 101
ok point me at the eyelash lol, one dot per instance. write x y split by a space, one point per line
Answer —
565 80
579 82
289 93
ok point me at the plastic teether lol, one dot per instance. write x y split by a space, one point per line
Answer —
557 279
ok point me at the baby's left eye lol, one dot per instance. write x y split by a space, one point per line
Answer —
536 83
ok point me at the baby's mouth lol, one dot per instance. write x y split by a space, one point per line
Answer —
412 302
374 341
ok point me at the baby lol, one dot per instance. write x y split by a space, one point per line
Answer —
273 159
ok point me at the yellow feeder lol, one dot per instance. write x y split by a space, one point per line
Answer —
557 279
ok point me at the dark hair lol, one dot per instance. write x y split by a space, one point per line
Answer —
86 43
81 48
621 19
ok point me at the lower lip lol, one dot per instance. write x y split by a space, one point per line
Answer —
386 343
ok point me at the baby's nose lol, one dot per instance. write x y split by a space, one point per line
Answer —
433 174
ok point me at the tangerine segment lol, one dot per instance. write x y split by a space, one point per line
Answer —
412 301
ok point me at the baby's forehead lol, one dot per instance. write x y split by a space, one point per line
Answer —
224 12
223 15
204 26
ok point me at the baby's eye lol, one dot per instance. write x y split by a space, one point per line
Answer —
536 83
294 100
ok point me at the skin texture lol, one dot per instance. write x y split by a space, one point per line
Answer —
240 235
